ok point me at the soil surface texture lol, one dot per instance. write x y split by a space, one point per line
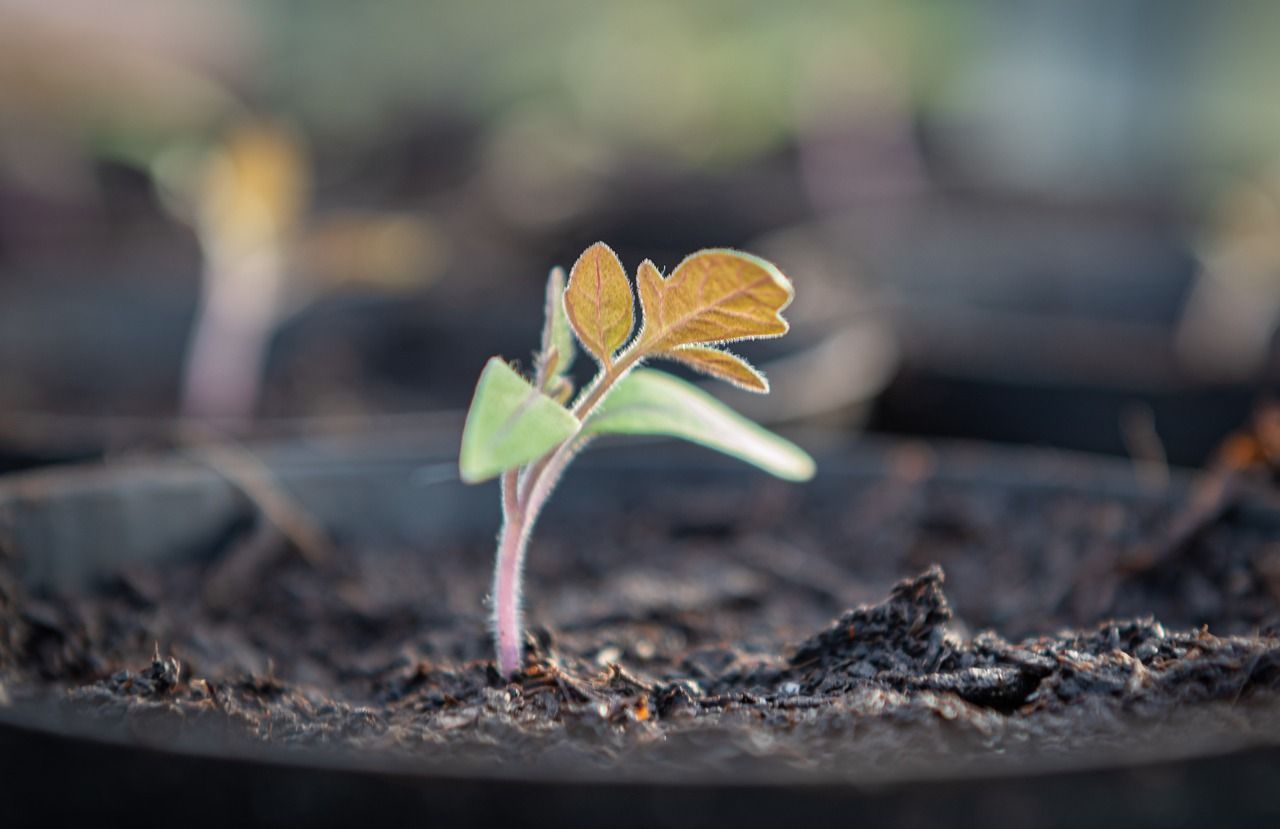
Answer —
861 629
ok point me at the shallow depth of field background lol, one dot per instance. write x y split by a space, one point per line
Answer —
1037 222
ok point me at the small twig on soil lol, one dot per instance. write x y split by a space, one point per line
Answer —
1143 443
252 477
243 565
285 524
1212 497
1246 455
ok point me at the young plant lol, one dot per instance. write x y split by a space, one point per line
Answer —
266 255
526 431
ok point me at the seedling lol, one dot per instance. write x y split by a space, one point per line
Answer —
526 431
266 255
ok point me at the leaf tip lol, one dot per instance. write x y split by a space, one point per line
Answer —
471 468
469 473
802 467
599 248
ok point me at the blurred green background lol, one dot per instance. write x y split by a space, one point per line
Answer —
1029 221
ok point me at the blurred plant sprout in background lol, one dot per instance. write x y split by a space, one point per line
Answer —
247 200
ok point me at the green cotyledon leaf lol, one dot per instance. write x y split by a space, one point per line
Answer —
649 402
509 424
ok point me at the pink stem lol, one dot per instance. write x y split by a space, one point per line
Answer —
520 506
224 367
241 293
507 627
507 575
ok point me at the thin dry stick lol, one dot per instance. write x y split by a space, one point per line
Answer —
246 471
1142 441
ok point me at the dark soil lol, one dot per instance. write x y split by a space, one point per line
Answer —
669 635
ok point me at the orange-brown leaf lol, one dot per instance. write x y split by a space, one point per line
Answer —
721 364
599 302
713 296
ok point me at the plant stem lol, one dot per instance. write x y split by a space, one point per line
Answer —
522 501
607 380
588 400
241 294
507 573
508 627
